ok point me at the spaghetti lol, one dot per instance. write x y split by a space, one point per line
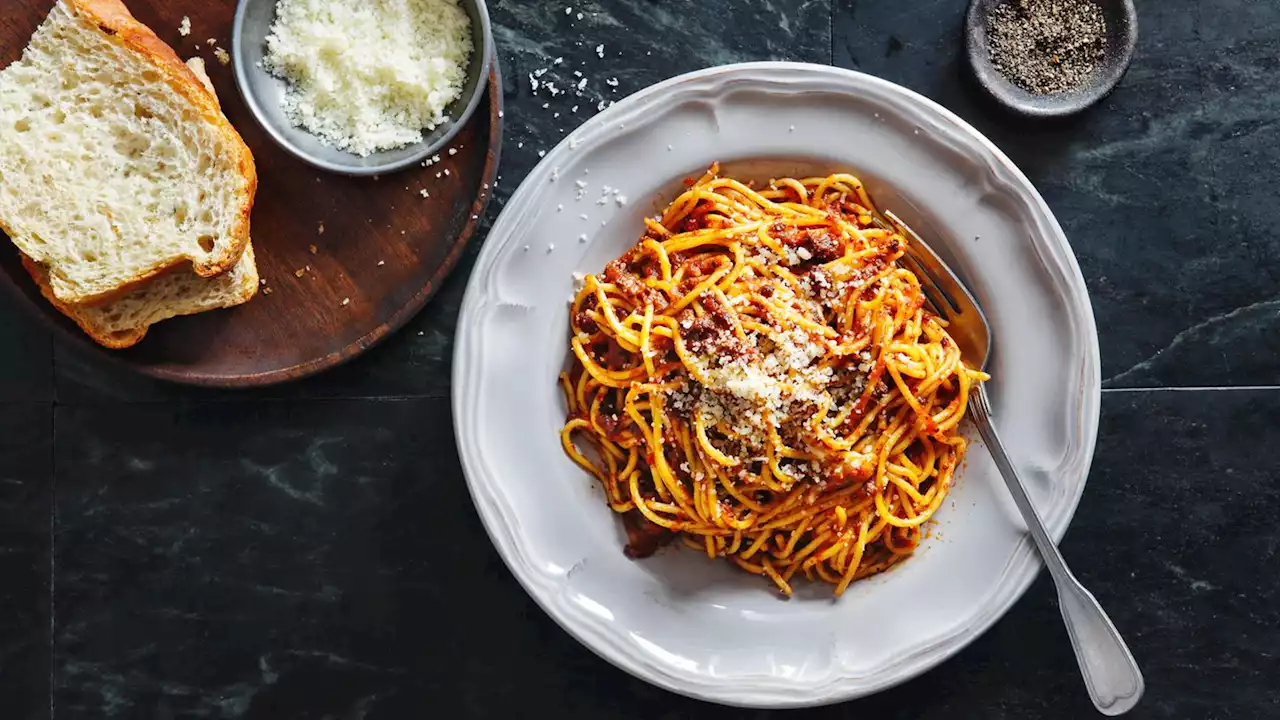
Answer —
760 378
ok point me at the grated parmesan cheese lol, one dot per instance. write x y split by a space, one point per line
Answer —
369 75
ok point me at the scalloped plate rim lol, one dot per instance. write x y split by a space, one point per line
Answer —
764 692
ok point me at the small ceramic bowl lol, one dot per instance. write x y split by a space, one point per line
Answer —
263 93
1121 39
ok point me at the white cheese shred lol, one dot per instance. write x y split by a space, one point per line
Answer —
369 75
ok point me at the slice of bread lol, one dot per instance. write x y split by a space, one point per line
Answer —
124 321
115 164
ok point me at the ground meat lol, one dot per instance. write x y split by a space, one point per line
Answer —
823 245
619 273
655 298
704 265
697 219
713 332
788 235
613 356
715 309
650 270
701 334
643 536
583 322
611 422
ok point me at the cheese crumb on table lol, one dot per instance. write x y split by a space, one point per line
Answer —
223 56
185 28
369 75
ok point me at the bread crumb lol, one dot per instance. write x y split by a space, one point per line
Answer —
312 248
320 230
299 272
223 56
212 42
346 302
185 28
381 263
424 192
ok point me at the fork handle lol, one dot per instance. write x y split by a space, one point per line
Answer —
1110 673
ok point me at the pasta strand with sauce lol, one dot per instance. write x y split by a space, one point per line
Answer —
758 377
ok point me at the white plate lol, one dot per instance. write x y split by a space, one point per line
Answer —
700 627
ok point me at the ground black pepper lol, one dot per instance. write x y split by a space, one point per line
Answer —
1046 46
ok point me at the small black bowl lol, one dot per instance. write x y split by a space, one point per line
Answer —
1122 38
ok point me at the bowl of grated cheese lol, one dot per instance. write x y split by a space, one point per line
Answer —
362 87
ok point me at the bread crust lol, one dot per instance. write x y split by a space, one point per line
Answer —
113 19
111 341
122 339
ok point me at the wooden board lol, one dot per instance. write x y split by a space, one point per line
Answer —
384 248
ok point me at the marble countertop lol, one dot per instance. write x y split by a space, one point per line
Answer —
310 551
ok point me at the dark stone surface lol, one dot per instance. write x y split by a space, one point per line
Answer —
26 491
26 355
315 559
1160 188
310 551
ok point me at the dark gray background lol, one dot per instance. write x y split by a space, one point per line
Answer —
310 551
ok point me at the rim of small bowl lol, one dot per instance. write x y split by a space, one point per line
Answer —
1124 38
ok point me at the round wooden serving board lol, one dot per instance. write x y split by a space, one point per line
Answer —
328 294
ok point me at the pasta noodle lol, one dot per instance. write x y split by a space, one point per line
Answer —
759 378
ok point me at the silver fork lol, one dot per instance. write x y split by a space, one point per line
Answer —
1110 673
